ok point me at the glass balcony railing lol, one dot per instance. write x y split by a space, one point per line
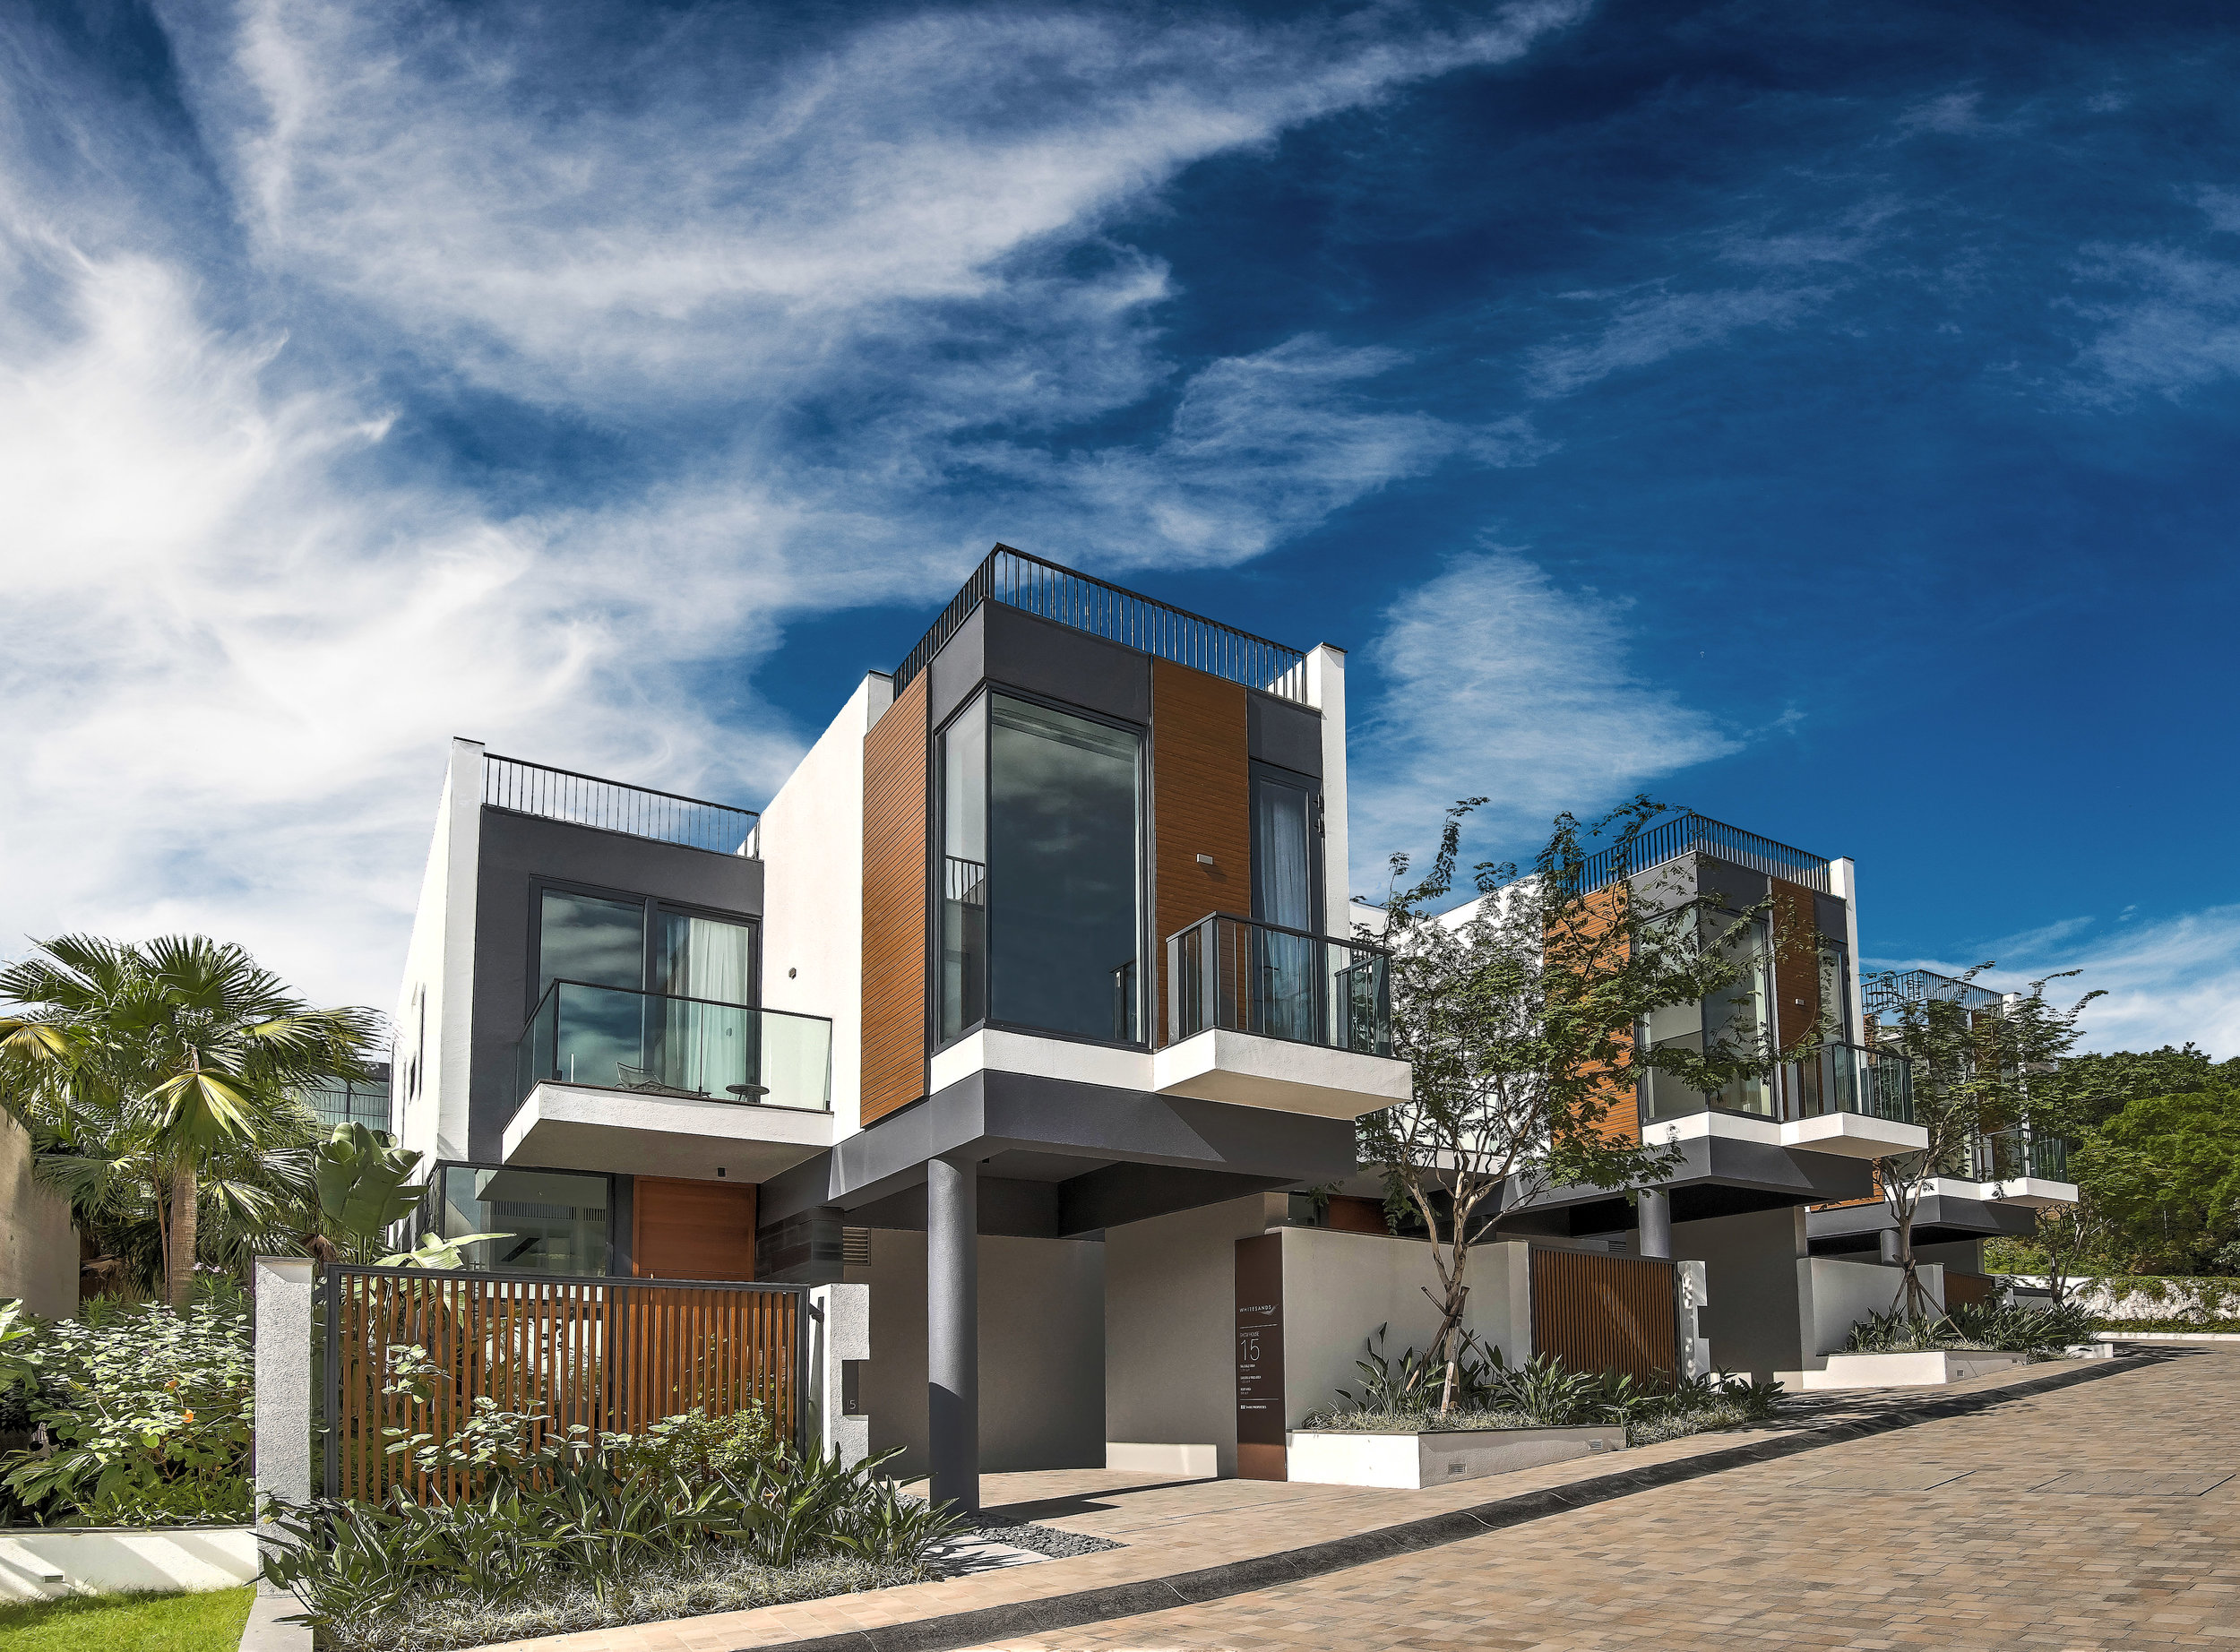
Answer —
2010 1155
612 1037
1849 1078
1246 976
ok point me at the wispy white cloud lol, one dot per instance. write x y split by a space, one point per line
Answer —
870 282
1498 683
2175 327
1644 331
2167 981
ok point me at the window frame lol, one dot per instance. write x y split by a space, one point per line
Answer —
937 852
650 906
431 1207
1311 785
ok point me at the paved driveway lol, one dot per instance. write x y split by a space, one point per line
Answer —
1955 1534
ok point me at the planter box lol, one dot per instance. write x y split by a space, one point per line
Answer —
1410 1462
41 1562
1910 1370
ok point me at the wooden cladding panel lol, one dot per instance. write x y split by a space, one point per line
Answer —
1621 1088
1201 805
894 905
604 1354
1595 1312
683 1229
1795 960
1969 1288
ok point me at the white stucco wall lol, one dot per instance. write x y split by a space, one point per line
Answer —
1326 693
1839 1293
38 1248
1338 1287
811 840
434 1021
1171 1325
1042 1352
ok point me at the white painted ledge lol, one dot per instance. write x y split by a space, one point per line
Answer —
1850 1371
2030 1190
1713 1123
1853 1135
1276 1074
1410 1462
572 1127
38 1564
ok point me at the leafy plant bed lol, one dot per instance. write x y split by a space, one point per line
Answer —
1440 1456
150 1622
683 1586
1981 1326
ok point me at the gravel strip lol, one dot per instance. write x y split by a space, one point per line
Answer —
1038 1539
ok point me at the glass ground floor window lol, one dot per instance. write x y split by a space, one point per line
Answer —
546 1221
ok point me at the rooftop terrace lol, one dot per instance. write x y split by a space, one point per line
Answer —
522 787
1018 581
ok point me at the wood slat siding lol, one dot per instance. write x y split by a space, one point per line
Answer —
685 1229
1201 805
1622 1087
604 1354
1796 970
895 826
1599 1313
1969 1287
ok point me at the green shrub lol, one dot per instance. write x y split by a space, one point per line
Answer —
1972 1325
707 1509
145 1412
1402 1395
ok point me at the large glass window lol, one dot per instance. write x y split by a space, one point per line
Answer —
549 1221
1740 1015
1039 877
1283 893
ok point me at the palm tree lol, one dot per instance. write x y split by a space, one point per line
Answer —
163 1077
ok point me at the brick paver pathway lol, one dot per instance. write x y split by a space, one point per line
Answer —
1932 1537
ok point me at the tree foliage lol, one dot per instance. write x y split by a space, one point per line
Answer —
1518 1015
160 1083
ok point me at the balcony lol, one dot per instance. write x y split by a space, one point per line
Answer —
519 787
1264 1015
613 1079
1840 1098
2022 1167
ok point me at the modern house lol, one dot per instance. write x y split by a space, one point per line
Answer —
1995 1183
1030 1002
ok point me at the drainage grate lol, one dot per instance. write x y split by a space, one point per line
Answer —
1914 1479
2131 1483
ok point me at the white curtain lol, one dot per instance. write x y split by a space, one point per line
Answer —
709 1046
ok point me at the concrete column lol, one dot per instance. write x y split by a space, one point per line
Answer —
952 1330
1655 1206
1889 1246
280 1442
840 1330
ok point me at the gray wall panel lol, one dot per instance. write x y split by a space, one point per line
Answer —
1277 732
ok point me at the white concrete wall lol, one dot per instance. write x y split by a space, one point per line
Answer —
1837 1293
1042 1352
1843 881
1326 693
430 1059
839 1331
47 1564
39 1247
1171 1325
1338 1287
811 840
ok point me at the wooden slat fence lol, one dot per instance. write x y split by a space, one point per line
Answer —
612 1354
1595 1312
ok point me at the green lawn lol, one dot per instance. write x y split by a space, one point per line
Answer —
127 1622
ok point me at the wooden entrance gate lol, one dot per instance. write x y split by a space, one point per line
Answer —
1595 1312
612 1354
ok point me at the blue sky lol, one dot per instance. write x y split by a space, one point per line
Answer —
1822 419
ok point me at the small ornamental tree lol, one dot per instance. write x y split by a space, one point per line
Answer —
1972 1072
1520 1021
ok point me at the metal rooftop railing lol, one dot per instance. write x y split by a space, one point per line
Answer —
1691 832
1892 989
635 811
1144 624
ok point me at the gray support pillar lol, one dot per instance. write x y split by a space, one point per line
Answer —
1656 1219
1889 1246
952 1330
